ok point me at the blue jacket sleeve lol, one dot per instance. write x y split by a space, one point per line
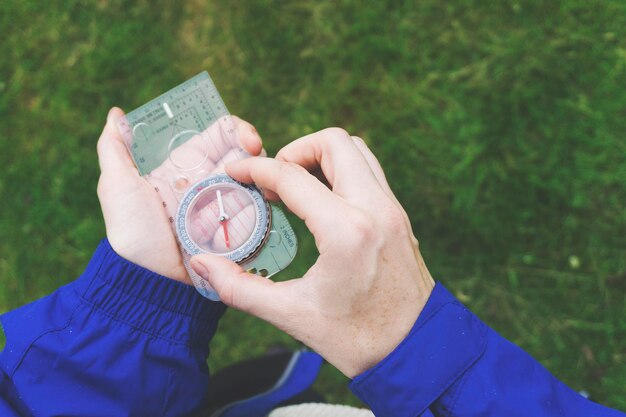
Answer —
453 365
119 341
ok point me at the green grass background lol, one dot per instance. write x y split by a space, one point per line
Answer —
501 126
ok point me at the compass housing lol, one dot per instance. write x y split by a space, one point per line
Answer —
199 224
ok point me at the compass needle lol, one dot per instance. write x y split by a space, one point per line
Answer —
239 210
223 217
226 239
220 204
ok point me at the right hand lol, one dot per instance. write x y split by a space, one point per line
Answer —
368 286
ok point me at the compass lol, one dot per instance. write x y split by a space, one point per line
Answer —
180 142
223 216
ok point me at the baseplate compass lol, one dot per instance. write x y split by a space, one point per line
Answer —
180 142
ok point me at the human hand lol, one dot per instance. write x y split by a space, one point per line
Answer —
369 284
136 223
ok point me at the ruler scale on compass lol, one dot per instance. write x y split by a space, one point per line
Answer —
180 142
195 105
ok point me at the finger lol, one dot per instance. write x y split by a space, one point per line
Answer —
227 137
251 293
269 195
248 136
374 165
377 169
303 194
113 155
335 153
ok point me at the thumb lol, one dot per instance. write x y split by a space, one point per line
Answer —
112 153
247 292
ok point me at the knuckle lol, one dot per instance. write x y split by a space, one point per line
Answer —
227 295
359 140
395 221
289 169
337 133
361 228
227 289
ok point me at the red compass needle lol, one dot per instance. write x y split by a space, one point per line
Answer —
224 223
223 218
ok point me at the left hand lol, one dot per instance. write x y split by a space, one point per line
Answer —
137 225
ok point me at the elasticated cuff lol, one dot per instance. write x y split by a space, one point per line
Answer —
150 302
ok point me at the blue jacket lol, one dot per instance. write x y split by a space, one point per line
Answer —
124 341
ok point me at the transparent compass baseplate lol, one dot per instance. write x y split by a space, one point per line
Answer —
180 142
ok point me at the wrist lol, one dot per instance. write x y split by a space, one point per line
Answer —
362 336
147 301
402 308
445 341
386 339
166 262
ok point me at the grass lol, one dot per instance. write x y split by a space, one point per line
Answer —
500 126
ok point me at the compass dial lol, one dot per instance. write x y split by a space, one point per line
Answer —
222 216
